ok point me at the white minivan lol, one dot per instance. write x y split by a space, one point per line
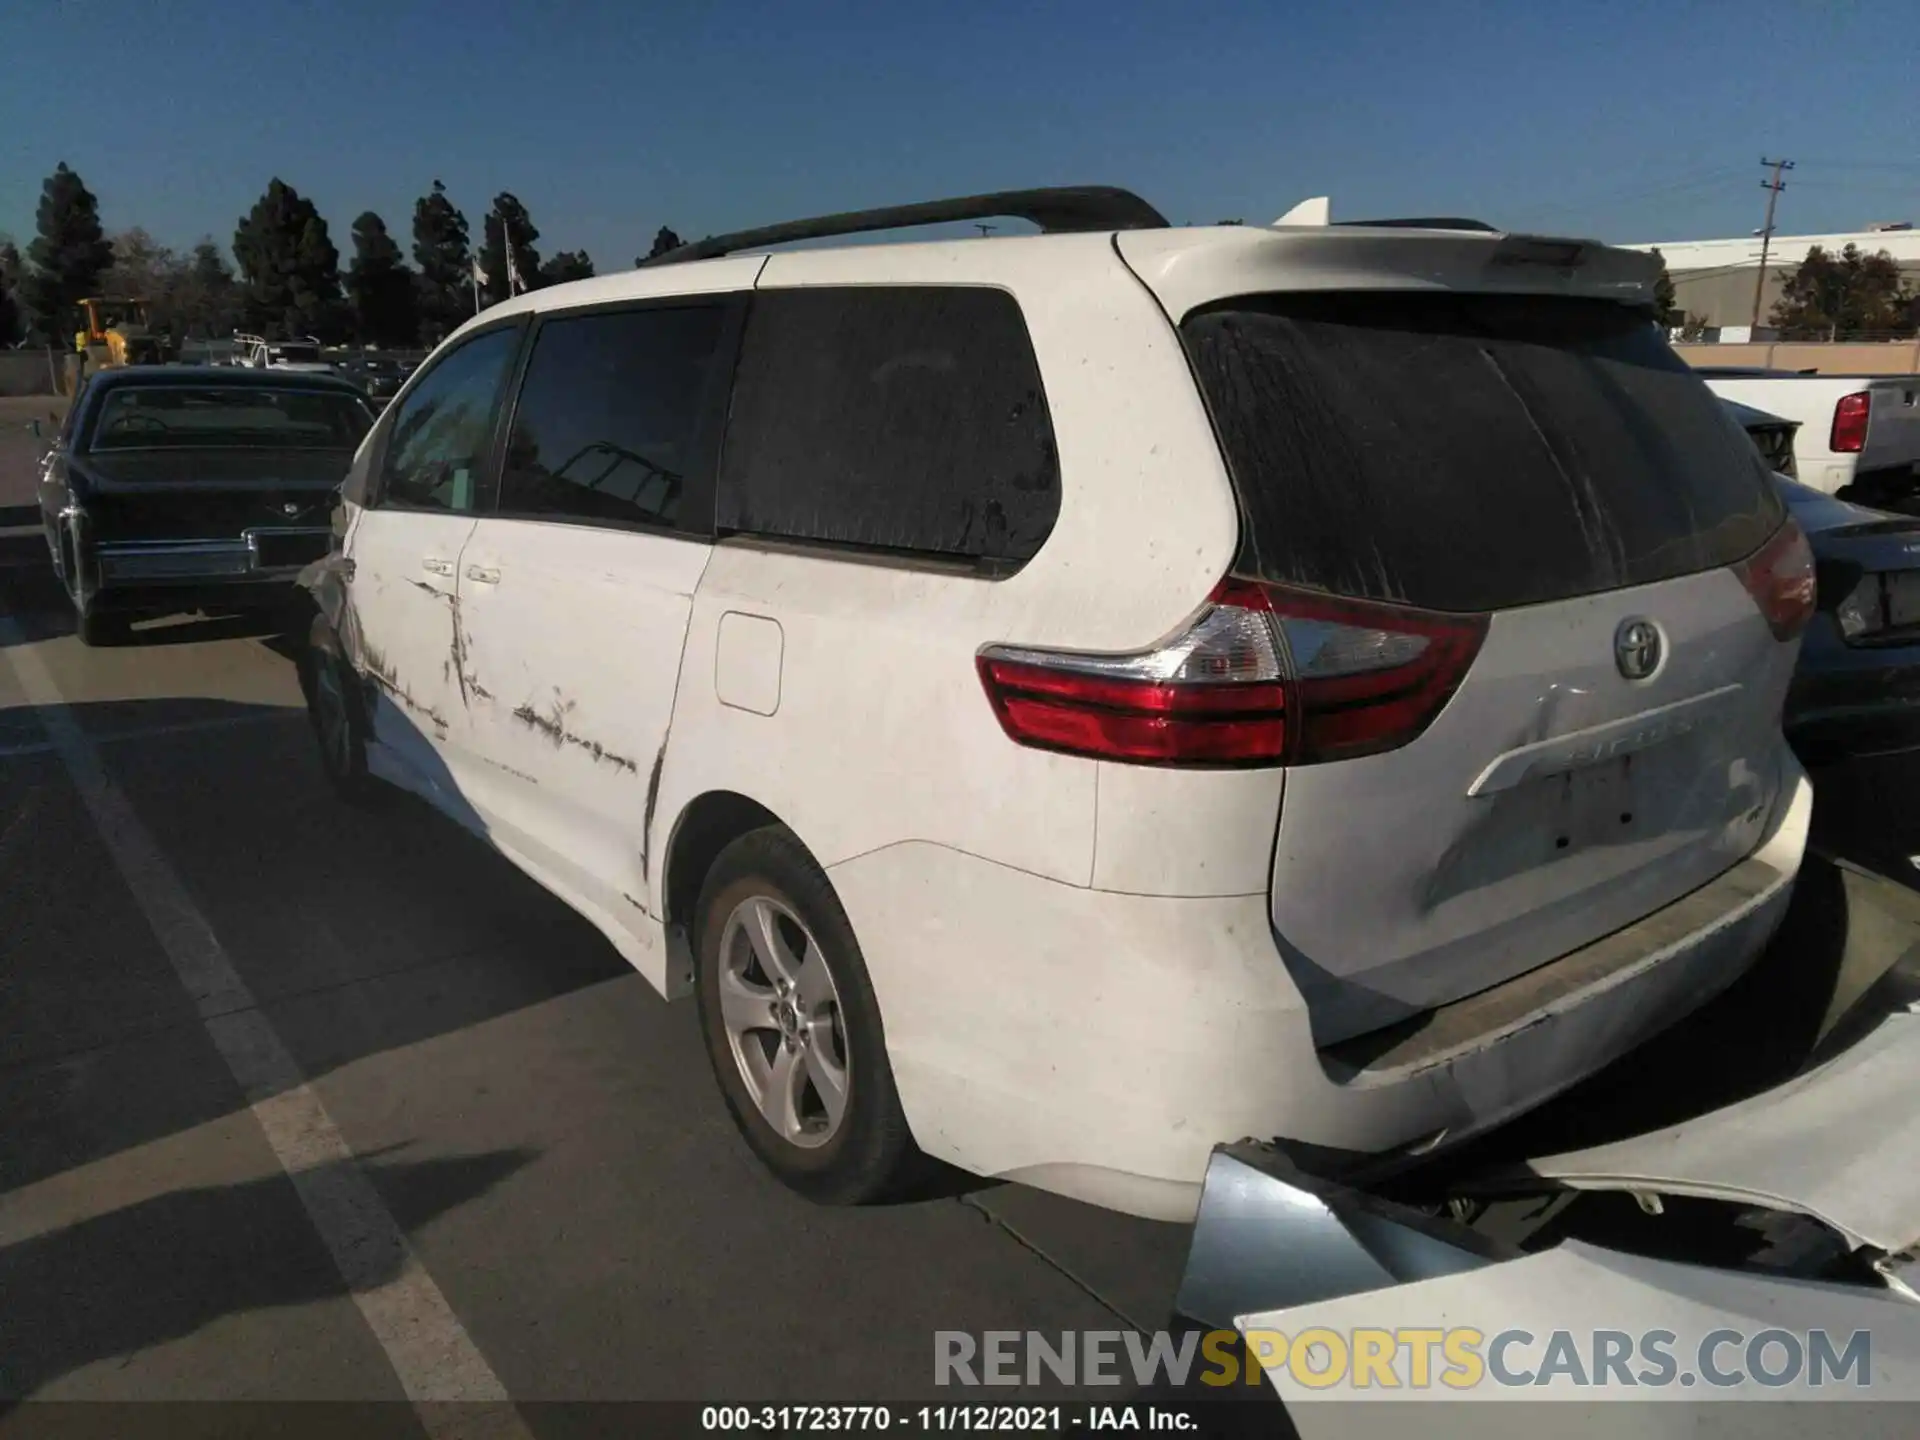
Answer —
1061 701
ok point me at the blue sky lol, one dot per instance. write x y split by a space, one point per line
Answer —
1628 121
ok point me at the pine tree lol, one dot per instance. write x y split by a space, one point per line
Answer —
566 265
1666 303
380 286
211 303
289 264
67 256
445 260
508 223
664 241
12 320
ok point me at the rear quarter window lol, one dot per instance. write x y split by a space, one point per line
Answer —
1471 452
904 419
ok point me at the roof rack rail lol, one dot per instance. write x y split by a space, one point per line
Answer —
1422 222
1062 209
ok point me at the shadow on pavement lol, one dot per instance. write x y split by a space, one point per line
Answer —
398 924
1864 811
165 1267
39 605
391 928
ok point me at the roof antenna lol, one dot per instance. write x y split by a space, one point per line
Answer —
1317 211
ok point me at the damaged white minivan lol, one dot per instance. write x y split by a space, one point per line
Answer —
1062 701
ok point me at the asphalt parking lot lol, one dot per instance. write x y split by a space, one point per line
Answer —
540 1126
480 1157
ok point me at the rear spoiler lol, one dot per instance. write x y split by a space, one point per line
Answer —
1552 252
1405 255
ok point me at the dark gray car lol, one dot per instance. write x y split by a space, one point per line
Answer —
1856 690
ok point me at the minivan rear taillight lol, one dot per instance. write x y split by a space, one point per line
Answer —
1261 676
1850 415
1780 577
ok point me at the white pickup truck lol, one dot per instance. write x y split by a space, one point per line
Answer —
1859 435
303 354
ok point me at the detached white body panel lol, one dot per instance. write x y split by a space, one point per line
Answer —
1840 1144
1577 1290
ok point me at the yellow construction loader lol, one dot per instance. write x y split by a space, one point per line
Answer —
118 332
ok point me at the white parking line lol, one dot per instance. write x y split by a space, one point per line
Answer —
438 1365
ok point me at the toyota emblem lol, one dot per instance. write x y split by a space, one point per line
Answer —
1637 648
289 508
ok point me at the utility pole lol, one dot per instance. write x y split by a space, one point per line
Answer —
1773 186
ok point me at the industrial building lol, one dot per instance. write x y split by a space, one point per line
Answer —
1714 278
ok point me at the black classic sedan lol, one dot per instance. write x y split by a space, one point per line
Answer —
183 488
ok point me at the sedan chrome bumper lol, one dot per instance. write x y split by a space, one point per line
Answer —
259 554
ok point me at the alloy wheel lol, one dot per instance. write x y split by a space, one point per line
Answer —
783 1021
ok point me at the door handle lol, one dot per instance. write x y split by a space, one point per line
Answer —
483 574
436 567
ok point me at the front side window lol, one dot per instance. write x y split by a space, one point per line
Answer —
437 448
609 421
236 417
899 418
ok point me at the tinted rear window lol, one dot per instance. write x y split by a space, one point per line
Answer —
235 417
1471 453
899 418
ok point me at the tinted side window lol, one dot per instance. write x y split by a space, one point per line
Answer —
899 418
437 446
608 425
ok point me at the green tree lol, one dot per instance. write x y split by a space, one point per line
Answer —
144 269
210 302
289 264
380 286
68 254
509 235
12 267
1843 296
1666 303
663 241
566 265
442 251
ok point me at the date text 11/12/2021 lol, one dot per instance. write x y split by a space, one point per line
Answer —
947 1419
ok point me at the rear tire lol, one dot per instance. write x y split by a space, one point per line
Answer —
337 709
792 1028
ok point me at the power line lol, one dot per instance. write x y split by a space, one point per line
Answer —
1866 164
1720 175
1773 186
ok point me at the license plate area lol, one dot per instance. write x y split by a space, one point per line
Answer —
1595 806
284 549
1902 590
